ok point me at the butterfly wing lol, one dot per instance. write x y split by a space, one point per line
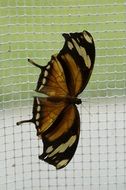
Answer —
68 72
77 59
60 136
45 111
52 81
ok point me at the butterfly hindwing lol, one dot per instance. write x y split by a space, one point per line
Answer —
58 125
61 142
45 112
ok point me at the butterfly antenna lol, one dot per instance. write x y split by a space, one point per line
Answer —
24 121
35 64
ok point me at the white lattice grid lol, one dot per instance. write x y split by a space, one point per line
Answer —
33 29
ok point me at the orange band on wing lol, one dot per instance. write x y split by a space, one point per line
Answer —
64 125
75 73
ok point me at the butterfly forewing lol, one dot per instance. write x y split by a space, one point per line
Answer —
79 46
75 76
52 79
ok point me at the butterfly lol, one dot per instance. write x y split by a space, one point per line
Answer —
55 115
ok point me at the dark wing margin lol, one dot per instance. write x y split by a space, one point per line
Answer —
59 151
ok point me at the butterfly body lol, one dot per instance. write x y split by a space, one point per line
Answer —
68 100
56 117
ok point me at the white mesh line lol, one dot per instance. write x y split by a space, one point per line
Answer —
70 6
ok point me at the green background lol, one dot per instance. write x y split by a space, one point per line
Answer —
32 29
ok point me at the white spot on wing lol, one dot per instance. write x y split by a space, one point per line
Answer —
61 148
62 163
38 102
37 116
43 81
41 87
88 62
70 45
48 67
87 37
45 73
72 140
82 52
37 123
38 108
49 149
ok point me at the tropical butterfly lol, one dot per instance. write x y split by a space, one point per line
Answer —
55 116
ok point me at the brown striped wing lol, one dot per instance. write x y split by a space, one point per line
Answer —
59 127
45 113
77 59
68 72
52 81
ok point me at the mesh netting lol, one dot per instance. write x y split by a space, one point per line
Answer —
32 29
